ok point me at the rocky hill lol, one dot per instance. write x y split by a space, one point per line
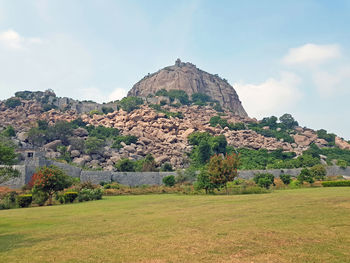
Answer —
158 124
158 134
187 77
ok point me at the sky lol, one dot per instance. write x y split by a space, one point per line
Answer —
280 56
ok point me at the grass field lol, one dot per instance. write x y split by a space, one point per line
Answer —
303 225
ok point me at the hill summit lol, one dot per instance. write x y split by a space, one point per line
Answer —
189 78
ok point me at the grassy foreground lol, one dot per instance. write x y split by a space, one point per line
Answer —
304 225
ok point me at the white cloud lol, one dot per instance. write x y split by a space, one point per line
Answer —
10 39
274 96
332 83
311 54
117 94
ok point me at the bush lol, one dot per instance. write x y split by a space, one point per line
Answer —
93 145
13 103
24 200
169 180
90 194
107 110
336 183
130 103
167 167
69 197
286 178
127 139
305 176
9 200
125 165
93 112
318 172
264 180
39 197
294 184
9 132
204 182
342 164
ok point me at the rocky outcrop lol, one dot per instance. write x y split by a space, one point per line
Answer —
187 77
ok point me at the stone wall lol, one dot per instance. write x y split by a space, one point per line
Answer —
140 178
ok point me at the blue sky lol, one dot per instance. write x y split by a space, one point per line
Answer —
280 56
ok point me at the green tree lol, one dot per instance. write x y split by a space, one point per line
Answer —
130 103
305 176
169 180
204 182
264 180
9 132
13 103
318 172
93 145
125 165
286 178
288 121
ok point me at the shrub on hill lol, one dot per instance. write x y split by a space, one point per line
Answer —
286 178
13 103
130 103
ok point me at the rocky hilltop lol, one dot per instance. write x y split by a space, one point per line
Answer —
189 78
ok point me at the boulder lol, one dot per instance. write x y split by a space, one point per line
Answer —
79 161
53 145
75 153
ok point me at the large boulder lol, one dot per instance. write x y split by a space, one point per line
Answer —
187 77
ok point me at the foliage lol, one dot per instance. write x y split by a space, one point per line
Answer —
204 182
24 200
147 164
200 98
130 103
169 180
342 163
9 132
86 194
102 132
7 157
62 130
162 92
329 137
205 145
125 165
95 112
107 110
180 95
264 180
166 167
336 183
39 197
50 180
223 170
305 176
318 172
168 114
286 178
9 200
13 103
93 145
217 120
288 121
69 197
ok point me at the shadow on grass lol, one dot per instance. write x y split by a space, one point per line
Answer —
13 241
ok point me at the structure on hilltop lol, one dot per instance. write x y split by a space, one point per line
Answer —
189 78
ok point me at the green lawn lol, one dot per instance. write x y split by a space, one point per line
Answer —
303 225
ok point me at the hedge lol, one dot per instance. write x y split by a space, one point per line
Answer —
336 183
69 197
24 200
